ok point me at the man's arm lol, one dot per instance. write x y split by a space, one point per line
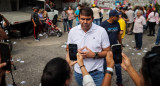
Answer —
126 19
6 21
119 38
3 34
104 52
127 66
75 14
110 63
34 23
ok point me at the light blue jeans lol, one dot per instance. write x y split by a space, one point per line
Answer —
77 23
158 37
96 21
97 77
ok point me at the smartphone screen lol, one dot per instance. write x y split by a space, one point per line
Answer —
5 56
117 53
73 51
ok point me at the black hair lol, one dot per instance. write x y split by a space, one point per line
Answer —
79 5
129 4
70 7
86 11
56 72
151 67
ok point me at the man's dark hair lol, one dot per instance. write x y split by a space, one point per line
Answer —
151 67
56 72
79 5
86 11
129 4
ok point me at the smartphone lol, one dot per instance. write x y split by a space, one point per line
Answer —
5 56
117 53
73 51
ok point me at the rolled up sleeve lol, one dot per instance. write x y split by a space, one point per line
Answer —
88 81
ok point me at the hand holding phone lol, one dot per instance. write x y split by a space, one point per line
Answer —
73 51
117 53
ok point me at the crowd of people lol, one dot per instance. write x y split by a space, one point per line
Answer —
94 38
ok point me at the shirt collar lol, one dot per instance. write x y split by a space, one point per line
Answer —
90 30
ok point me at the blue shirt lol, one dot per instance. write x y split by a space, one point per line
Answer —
77 13
112 30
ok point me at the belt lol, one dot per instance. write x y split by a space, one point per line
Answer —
93 71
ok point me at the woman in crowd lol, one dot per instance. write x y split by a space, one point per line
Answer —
153 19
138 29
65 20
40 14
70 16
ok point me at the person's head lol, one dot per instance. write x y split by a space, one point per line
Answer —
86 18
100 8
120 3
139 13
57 72
70 8
79 6
113 15
35 9
150 70
93 5
120 9
120 15
123 10
129 4
65 9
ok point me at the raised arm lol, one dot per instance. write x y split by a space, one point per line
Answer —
127 66
109 70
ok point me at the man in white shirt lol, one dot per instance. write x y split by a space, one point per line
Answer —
93 44
96 12
130 14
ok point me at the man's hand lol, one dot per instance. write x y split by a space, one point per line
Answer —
35 25
79 59
109 59
71 63
2 15
87 54
81 52
2 65
126 63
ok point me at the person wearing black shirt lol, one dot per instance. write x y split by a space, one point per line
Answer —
36 22
113 29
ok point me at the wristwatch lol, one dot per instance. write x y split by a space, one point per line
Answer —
96 55
109 72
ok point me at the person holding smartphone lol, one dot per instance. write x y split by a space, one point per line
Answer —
3 21
112 27
2 71
93 43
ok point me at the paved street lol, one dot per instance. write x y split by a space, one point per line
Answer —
30 57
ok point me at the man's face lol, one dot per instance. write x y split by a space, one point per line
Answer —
85 21
115 18
79 7
138 14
